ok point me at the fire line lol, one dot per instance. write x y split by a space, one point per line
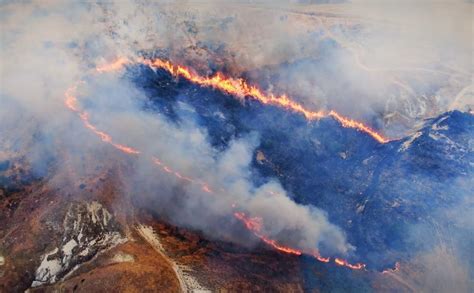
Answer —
240 88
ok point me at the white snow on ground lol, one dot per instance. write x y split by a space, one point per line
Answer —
184 274
68 247
48 269
97 212
407 143
86 235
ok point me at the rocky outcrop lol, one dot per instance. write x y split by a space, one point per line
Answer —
88 230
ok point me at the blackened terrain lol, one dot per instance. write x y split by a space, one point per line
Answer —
390 199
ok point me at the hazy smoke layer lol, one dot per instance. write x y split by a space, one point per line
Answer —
387 64
47 48
398 62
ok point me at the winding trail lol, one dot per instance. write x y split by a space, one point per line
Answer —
187 282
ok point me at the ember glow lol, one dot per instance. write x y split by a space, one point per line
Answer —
204 186
342 262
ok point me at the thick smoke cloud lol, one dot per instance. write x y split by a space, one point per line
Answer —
49 47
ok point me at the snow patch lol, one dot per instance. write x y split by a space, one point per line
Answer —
67 250
150 236
68 247
88 231
48 269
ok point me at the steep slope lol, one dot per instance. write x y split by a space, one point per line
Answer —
377 192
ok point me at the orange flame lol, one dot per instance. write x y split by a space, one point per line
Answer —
342 262
235 86
204 186
255 225
349 123
114 66
71 103
240 88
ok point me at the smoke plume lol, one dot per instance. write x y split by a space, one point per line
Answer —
49 48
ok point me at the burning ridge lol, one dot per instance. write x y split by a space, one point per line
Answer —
240 88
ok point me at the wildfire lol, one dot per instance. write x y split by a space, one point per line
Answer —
343 262
240 88
114 66
204 186
317 256
255 225
347 122
71 103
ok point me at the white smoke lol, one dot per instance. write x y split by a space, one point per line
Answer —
399 62
49 47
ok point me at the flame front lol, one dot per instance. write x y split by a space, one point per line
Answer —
343 262
71 103
234 86
255 225
240 88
